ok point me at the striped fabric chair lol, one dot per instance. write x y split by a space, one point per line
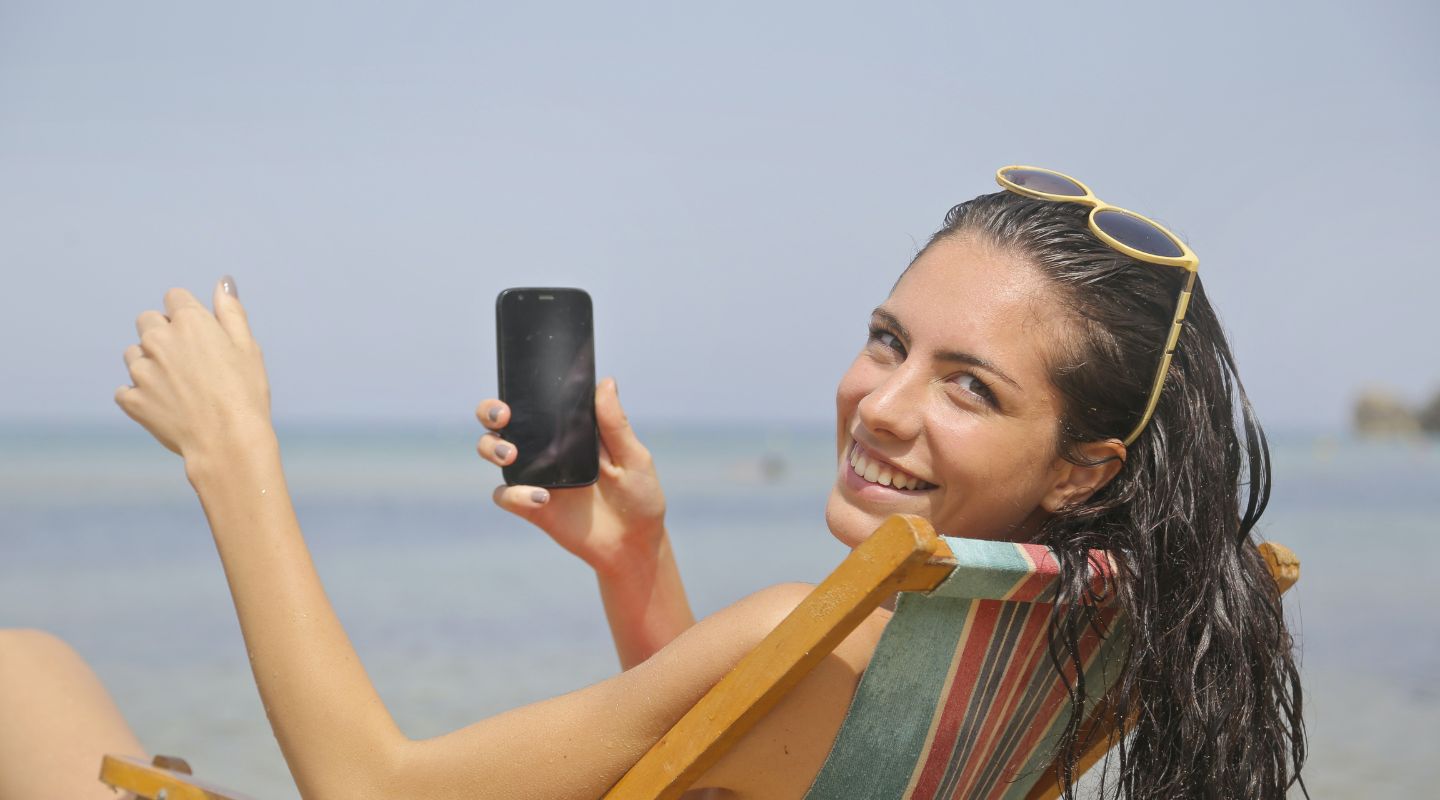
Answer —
971 659
961 700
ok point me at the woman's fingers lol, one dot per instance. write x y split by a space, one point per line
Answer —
615 431
178 299
148 320
495 450
521 500
133 353
493 414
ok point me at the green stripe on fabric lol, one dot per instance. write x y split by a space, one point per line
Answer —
885 729
984 570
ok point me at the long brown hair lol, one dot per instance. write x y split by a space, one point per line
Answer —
1209 676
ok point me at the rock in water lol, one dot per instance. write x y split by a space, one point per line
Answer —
1430 415
1378 412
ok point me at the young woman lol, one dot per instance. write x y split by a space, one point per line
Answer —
1005 391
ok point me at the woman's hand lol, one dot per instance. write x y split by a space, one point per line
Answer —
198 377
619 518
616 525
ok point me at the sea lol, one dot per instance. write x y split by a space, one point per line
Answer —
460 610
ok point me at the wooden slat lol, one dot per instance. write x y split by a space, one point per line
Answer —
149 781
1283 563
904 554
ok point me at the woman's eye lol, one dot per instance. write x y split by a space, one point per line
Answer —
975 386
887 340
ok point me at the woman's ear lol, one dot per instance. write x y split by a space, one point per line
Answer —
1075 483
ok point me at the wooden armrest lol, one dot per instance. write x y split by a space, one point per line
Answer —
166 778
904 554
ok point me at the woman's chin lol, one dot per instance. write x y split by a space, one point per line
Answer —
847 523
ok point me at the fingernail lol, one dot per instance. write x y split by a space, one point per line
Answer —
494 413
540 496
502 451
227 285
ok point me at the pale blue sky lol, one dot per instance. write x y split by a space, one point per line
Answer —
736 184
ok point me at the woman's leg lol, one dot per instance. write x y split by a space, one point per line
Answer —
56 721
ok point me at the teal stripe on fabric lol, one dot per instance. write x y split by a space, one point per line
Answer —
884 732
984 570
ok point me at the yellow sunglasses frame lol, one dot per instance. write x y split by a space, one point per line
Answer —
1187 260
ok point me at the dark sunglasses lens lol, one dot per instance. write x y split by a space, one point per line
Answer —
1046 182
1137 233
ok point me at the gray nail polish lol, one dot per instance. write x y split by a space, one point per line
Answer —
502 451
227 285
540 496
494 413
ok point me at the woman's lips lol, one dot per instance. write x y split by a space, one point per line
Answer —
871 475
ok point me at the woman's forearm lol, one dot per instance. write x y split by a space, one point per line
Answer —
645 603
334 730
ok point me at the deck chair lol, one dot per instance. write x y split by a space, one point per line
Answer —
960 699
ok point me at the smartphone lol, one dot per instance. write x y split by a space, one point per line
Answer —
546 358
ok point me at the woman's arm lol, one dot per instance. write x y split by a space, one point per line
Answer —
337 736
645 602
200 389
330 722
616 525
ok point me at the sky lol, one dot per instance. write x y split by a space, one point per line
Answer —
735 184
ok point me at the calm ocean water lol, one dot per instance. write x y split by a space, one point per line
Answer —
459 610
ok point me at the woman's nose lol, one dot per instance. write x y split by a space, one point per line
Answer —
893 407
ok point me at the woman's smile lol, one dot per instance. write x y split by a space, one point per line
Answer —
873 478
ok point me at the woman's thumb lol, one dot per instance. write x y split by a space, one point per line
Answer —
615 430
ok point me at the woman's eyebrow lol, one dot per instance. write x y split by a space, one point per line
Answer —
955 356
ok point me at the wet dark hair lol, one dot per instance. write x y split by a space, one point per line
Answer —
1209 685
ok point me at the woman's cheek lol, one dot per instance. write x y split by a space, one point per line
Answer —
857 382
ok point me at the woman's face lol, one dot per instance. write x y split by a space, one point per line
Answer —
950 400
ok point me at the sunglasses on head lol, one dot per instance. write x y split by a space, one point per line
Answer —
1136 236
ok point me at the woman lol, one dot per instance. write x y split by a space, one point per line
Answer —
1002 393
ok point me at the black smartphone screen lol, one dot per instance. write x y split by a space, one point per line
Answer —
546 357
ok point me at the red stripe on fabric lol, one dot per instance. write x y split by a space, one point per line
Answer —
1054 702
1044 569
1102 571
1024 657
971 655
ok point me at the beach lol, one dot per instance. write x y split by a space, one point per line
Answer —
459 610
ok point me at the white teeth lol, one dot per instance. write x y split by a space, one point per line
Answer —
883 474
